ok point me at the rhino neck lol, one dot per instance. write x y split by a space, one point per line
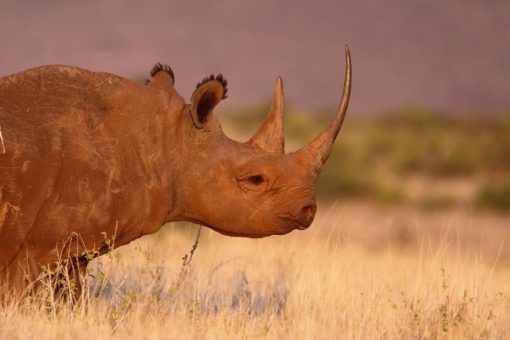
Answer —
196 153
147 123
161 150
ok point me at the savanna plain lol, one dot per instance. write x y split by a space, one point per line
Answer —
411 241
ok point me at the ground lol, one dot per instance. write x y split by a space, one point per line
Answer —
360 271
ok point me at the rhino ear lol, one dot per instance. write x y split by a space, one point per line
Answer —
208 94
162 77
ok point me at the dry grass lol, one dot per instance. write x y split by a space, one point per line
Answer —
359 272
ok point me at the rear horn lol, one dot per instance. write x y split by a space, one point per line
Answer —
269 136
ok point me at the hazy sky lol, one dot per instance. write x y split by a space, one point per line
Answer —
446 55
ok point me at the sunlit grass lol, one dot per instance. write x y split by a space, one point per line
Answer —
333 281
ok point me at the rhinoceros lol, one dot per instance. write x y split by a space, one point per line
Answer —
89 157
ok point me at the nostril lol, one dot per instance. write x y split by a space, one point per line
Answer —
309 211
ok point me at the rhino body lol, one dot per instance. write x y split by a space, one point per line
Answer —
89 160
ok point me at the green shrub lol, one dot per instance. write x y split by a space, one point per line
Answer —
495 194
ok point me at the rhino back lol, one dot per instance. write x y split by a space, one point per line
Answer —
62 167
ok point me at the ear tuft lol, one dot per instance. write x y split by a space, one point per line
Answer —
158 67
219 78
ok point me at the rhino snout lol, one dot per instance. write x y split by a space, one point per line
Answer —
307 215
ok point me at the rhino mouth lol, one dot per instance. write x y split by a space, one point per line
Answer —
296 223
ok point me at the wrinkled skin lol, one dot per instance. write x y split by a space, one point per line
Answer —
276 205
89 158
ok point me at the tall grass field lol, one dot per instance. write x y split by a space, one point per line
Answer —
359 272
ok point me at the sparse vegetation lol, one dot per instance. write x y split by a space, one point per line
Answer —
327 283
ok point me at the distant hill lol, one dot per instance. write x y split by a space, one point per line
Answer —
447 55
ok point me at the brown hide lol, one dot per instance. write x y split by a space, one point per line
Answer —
83 154
89 157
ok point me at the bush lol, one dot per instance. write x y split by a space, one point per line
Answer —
495 195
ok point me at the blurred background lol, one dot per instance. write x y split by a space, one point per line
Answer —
429 121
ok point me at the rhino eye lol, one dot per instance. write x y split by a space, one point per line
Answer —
257 179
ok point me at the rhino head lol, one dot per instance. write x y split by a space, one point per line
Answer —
251 189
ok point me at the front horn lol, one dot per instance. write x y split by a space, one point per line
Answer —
317 152
269 137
